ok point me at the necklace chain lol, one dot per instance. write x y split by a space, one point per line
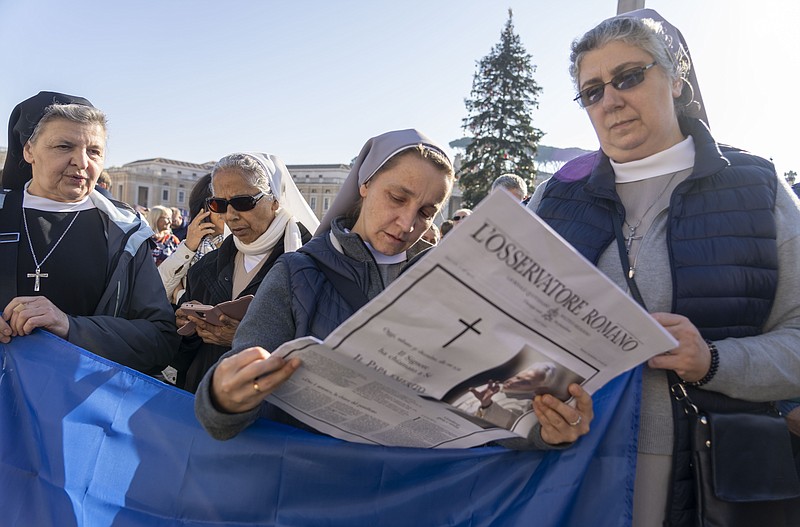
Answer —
630 238
38 275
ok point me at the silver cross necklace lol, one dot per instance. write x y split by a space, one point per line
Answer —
631 237
38 275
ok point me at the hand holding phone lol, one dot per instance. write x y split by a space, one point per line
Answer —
200 227
234 309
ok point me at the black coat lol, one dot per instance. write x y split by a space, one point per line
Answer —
210 281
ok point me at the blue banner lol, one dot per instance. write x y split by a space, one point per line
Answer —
86 442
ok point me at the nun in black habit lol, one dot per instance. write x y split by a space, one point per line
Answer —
73 262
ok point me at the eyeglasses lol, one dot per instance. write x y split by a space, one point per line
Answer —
240 203
458 218
621 81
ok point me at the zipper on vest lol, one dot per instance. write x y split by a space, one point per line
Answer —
116 302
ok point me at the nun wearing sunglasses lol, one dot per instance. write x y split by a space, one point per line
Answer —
705 236
255 195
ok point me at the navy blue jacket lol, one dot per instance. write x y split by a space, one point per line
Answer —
721 241
721 217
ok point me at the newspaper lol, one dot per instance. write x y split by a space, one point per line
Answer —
503 306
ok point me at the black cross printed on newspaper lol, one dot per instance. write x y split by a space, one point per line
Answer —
469 327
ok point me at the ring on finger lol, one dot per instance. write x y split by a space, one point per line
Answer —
19 307
255 386
577 421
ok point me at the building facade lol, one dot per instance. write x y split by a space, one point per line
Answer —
319 184
160 181
157 181
168 182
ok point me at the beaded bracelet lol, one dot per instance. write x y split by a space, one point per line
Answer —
712 369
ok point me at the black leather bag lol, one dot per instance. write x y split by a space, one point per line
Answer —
744 468
743 461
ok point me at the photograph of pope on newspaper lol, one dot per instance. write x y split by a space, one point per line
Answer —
502 396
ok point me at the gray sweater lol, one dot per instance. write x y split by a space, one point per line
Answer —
760 368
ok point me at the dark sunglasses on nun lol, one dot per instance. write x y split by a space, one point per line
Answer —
240 203
621 81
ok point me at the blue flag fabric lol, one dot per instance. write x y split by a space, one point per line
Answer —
86 442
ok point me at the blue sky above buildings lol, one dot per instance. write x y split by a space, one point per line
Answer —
311 80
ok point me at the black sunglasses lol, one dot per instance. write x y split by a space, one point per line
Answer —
240 203
458 218
621 81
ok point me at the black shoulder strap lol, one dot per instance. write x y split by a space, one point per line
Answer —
623 258
10 238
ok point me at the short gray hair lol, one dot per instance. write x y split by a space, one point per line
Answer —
511 181
252 170
644 33
77 113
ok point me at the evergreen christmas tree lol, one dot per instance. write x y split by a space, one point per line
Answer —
504 94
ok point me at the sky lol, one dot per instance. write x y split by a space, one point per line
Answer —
311 81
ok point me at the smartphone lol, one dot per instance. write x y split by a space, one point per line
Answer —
234 309
207 218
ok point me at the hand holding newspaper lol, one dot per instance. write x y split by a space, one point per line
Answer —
452 352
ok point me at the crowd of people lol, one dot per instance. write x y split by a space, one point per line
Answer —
705 236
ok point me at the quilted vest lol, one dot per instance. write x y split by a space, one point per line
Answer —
721 241
317 306
720 218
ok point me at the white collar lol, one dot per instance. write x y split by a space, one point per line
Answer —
380 258
384 259
674 159
29 201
